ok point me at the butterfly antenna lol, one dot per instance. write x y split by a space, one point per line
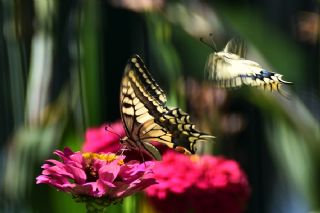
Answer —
108 127
213 43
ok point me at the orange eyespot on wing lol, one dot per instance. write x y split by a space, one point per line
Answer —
182 150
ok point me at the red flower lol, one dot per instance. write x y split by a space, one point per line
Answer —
198 184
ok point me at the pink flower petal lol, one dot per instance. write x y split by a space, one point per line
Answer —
109 172
95 175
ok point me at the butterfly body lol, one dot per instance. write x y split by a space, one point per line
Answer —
229 68
146 117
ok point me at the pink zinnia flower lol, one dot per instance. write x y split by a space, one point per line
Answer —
198 184
94 176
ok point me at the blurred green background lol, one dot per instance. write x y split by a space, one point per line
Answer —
61 64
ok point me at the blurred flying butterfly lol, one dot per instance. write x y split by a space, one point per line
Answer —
146 117
229 68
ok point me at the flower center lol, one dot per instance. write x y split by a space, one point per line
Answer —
104 157
90 169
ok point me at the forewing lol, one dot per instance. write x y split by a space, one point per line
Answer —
132 110
146 80
141 98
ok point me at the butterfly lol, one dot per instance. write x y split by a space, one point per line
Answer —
146 117
229 68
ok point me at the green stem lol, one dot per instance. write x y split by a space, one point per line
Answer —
94 207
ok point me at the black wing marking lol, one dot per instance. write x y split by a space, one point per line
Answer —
183 131
144 77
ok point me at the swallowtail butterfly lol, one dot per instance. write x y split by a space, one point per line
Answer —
229 68
146 117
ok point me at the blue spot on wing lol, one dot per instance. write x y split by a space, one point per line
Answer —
266 74
263 74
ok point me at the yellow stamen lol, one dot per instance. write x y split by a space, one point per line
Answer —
105 157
